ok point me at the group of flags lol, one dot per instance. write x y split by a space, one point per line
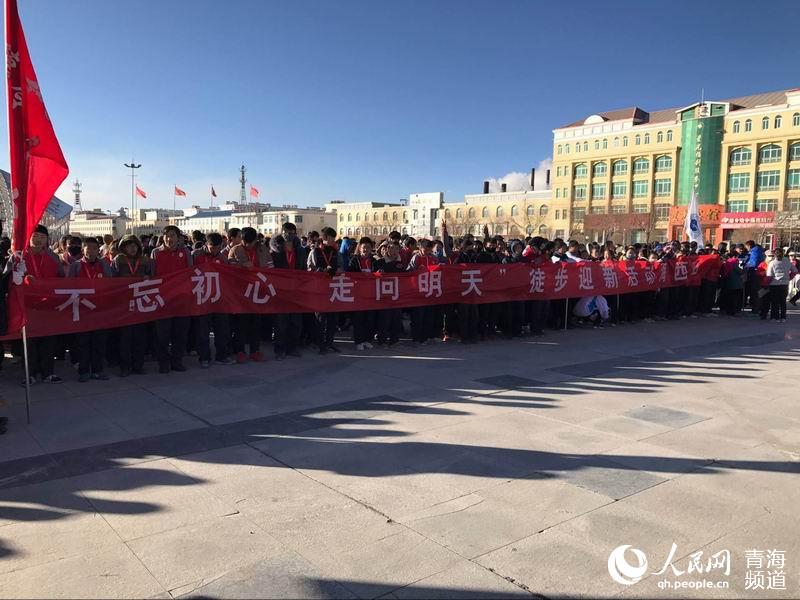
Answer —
179 192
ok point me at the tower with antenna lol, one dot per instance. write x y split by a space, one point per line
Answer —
242 181
76 189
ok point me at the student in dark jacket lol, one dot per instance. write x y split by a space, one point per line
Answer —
131 263
91 344
363 320
389 322
287 253
325 259
220 323
249 254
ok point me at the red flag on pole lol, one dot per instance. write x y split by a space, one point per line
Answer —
213 193
253 192
37 163
179 191
140 192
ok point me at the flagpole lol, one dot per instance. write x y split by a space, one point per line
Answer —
27 373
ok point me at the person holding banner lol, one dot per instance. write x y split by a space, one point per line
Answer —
288 253
363 320
219 323
325 259
249 254
132 263
171 333
91 344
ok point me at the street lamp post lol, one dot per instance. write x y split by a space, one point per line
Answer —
133 166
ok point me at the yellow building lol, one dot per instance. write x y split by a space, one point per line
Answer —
741 154
373 219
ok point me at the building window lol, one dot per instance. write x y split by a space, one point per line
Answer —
625 141
793 179
385 216
768 180
661 212
663 163
778 121
577 146
599 169
736 127
663 187
794 151
514 211
616 142
471 213
579 192
748 125
598 191
543 230
597 144
794 204
618 209
619 189
358 217
641 208
558 214
669 135
741 156
543 210
581 171
559 148
529 210
637 139
349 217
498 212
605 144
736 206
796 120
765 123
598 210
298 218
769 154
646 138
640 189
485 213
738 182
560 233
578 214
394 215
766 205
585 146
620 167
641 165
660 137
405 216
459 213
566 148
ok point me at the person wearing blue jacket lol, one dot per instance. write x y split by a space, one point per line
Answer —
752 280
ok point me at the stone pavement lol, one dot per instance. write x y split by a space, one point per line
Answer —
507 469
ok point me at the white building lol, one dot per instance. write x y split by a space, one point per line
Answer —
151 221
98 223
423 209
374 219
305 219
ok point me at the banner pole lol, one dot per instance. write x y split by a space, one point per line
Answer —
566 312
27 373
616 319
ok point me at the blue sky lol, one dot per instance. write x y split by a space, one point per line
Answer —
370 100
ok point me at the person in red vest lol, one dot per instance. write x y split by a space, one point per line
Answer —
250 253
219 323
40 263
91 344
171 333
131 262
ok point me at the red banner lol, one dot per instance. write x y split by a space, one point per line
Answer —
69 305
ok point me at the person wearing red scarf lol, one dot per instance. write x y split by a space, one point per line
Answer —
363 320
91 344
40 263
288 253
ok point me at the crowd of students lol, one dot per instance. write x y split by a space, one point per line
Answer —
748 277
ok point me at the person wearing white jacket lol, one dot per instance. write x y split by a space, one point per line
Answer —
779 272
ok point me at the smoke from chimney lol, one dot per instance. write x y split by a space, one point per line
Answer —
522 182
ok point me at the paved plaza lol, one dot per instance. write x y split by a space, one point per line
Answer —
506 469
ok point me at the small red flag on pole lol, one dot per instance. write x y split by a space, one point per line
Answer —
37 163
179 191
140 192
254 192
